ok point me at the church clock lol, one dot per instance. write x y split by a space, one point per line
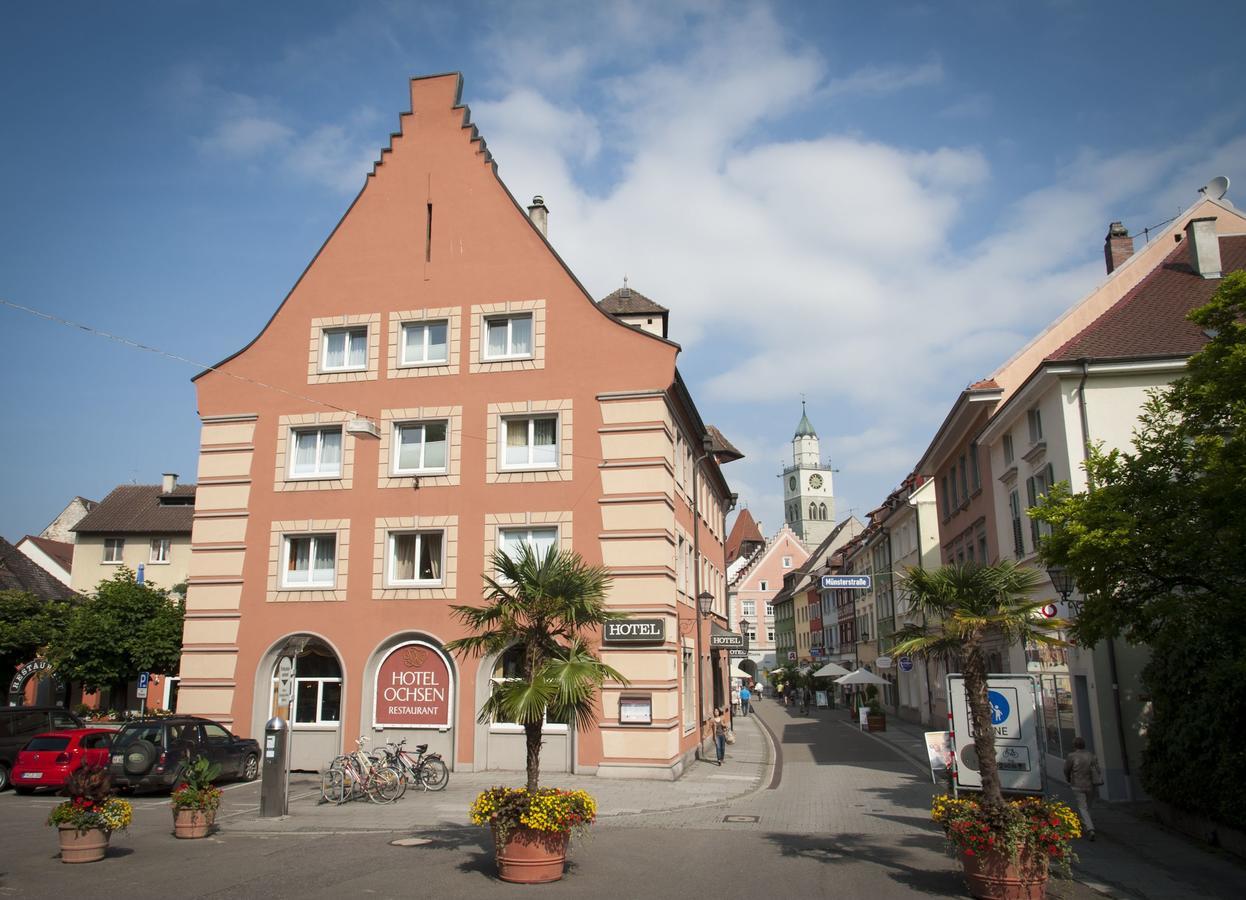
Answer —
815 481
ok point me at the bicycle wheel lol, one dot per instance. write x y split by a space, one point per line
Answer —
394 767
434 775
382 786
333 787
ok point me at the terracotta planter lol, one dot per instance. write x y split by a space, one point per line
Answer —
87 846
192 823
994 876
532 857
876 722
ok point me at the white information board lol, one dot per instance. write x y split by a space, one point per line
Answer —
1014 717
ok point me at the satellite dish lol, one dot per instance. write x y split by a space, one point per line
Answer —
1216 188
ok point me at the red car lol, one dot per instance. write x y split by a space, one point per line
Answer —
49 758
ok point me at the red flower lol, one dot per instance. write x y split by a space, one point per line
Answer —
968 852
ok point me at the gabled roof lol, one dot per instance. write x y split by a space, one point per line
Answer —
60 552
1151 319
627 302
18 572
724 451
743 529
138 508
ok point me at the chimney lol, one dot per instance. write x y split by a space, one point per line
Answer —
1204 246
168 482
539 214
1118 246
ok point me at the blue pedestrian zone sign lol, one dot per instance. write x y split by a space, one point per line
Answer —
999 707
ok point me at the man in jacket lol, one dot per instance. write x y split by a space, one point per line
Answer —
1081 771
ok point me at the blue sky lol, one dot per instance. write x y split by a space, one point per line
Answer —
870 204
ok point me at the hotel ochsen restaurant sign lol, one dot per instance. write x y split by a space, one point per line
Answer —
413 689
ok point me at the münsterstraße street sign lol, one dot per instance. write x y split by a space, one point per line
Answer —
850 582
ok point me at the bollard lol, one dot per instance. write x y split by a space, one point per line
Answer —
275 787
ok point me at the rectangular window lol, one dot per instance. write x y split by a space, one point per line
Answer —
530 442
113 549
540 539
769 610
1036 488
419 447
787 562
752 634
415 557
947 500
1008 454
317 701
964 479
749 607
1014 508
1035 419
982 555
310 561
344 349
160 548
764 586
770 635
424 342
508 337
690 720
317 452
975 477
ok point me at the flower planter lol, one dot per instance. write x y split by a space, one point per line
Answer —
995 876
532 857
876 722
82 847
192 823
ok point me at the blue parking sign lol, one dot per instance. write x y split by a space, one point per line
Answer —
143 679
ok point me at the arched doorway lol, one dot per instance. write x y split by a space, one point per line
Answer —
501 745
315 708
409 691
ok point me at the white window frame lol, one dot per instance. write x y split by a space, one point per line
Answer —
764 585
348 330
320 682
117 546
426 325
1034 417
547 727
486 356
531 419
769 610
318 470
688 674
748 607
391 558
160 551
394 467
309 585
528 531
787 562
1009 455
770 635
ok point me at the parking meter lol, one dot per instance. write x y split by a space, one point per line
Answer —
275 787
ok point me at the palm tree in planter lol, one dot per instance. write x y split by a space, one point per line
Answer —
542 606
966 605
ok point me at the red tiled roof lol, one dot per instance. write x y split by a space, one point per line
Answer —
137 508
743 529
723 449
988 384
18 572
626 301
60 551
1150 320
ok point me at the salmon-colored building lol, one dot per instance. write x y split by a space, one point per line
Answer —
438 385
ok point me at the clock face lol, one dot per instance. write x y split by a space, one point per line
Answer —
815 481
791 483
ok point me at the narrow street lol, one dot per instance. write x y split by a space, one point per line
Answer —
847 818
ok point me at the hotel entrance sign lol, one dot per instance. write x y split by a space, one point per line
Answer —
635 631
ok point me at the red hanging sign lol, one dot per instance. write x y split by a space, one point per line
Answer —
413 689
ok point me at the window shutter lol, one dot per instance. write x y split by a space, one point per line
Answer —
1031 493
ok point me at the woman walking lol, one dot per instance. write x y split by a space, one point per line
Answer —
719 733
1082 772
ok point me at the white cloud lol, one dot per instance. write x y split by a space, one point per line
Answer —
874 81
246 136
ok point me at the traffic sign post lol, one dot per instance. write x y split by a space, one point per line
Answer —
285 681
1015 721
144 679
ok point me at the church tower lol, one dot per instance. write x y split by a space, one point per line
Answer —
808 495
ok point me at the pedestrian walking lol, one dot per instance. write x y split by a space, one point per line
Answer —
745 696
805 697
735 701
1082 772
718 725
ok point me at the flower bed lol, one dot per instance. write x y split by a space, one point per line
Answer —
547 809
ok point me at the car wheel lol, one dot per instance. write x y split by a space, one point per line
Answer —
250 767
139 758
4 776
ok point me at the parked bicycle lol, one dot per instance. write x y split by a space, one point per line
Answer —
359 774
428 772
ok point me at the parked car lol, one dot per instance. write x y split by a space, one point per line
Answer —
49 759
153 752
18 724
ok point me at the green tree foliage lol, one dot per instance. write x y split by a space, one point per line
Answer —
27 624
122 629
1158 548
969 604
542 605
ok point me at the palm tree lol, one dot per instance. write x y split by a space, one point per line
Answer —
541 605
966 604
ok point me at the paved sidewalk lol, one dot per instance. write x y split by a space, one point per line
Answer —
746 768
1133 856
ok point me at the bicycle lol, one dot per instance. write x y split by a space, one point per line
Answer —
359 774
428 771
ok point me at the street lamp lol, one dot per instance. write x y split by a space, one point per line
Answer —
1062 581
705 605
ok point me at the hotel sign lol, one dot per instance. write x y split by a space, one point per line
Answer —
726 639
635 631
413 689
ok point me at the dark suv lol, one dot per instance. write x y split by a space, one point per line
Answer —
18 724
153 752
